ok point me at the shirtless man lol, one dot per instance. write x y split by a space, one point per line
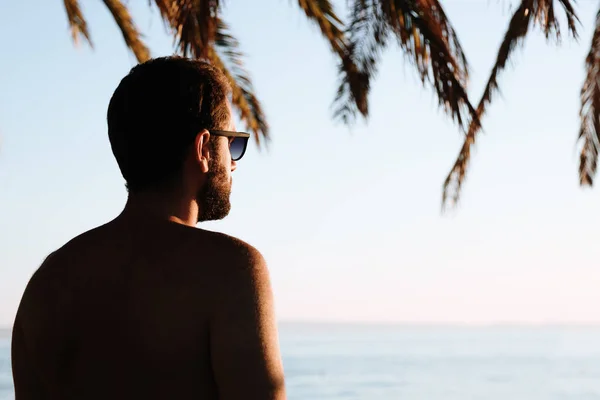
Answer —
148 306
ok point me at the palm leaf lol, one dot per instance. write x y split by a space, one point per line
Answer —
77 22
427 38
572 19
589 134
529 12
425 35
447 35
226 56
130 33
194 23
368 34
322 12
332 28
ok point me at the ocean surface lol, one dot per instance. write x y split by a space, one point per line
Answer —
354 362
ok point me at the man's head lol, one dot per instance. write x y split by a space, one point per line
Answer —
160 119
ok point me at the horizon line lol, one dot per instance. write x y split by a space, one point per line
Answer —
507 323
441 324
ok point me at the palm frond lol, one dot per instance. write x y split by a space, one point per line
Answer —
130 32
589 134
447 31
227 56
572 19
426 36
322 12
77 22
194 24
332 28
367 37
166 8
529 12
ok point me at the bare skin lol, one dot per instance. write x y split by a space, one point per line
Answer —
150 307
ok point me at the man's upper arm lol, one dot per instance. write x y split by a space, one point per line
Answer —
39 334
243 333
26 380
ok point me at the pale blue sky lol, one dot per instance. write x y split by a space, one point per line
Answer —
349 222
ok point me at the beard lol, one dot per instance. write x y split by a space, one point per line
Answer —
213 198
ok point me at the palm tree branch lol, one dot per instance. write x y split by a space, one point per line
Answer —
194 23
529 12
572 19
323 14
77 22
130 32
367 35
589 134
447 31
426 36
227 56
332 28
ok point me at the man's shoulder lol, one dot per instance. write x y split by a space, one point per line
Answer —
58 261
51 281
75 244
230 248
233 261
241 277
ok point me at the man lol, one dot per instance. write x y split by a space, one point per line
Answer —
148 306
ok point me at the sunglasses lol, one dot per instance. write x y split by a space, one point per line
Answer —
237 144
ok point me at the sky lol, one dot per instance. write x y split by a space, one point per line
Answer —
349 219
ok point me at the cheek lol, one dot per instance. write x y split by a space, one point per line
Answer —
228 152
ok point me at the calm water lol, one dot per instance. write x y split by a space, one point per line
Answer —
362 362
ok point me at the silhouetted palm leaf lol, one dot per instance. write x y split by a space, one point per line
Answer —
589 133
426 36
77 21
368 33
332 28
322 12
194 23
130 33
529 12
226 56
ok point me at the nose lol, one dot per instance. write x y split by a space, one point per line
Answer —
233 165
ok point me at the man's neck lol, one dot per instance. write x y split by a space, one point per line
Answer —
160 207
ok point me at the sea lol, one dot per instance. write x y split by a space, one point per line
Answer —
366 362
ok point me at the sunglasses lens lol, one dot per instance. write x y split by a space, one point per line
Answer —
237 148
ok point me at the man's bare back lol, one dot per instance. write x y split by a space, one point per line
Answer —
157 310
148 306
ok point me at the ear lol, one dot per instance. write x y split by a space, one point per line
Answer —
201 148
